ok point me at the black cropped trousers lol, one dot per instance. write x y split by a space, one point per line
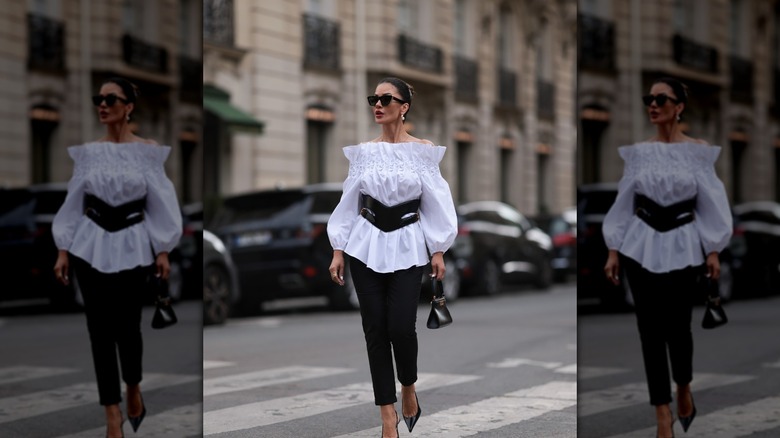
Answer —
664 304
112 304
388 308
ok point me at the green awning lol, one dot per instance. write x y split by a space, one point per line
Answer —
218 102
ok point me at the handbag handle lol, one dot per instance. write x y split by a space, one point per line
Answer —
437 291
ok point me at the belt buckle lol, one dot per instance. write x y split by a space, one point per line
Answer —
368 214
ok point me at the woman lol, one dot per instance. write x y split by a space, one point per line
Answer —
120 218
396 211
670 217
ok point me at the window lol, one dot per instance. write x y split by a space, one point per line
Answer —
505 38
460 27
408 13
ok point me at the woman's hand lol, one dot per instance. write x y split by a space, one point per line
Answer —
61 267
437 266
163 265
713 266
337 267
612 268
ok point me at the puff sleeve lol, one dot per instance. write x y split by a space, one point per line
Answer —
163 215
713 213
70 213
437 210
622 211
344 215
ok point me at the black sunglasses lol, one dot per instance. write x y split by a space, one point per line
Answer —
384 99
659 98
109 98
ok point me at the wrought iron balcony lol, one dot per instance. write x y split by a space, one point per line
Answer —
596 39
741 89
322 48
144 55
466 74
691 54
47 43
218 22
507 87
190 79
545 99
419 55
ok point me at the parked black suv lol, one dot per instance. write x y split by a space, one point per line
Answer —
279 244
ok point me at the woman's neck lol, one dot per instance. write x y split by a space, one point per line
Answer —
393 133
119 133
669 133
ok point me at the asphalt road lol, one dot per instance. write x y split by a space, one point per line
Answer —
736 382
47 381
505 368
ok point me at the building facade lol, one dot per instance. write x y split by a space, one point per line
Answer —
54 55
494 81
726 51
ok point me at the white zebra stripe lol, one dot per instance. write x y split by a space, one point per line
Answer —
178 422
211 364
258 379
22 373
263 413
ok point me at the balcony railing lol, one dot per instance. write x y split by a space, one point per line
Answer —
190 79
218 22
419 55
741 89
47 43
466 74
143 55
691 54
322 48
545 99
596 39
507 87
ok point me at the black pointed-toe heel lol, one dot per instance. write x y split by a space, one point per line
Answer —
136 421
686 421
411 421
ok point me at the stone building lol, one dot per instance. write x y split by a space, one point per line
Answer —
55 54
494 81
726 51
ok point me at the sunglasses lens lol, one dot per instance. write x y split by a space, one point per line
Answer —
96 100
111 99
372 100
647 100
386 99
660 99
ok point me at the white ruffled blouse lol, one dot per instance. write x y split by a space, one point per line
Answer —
669 173
118 173
393 173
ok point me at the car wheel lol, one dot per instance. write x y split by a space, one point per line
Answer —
544 277
725 282
216 295
451 282
491 278
344 297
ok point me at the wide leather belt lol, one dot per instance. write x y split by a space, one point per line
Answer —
666 218
114 218
389 218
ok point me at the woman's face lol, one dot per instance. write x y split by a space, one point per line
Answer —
116 113
392 112
666 113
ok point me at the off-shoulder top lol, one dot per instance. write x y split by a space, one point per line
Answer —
668 173
118 173
394 173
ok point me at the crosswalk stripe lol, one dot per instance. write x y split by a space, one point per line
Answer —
210 364
492 413
567 369
22 373
263 413
177 422
80 394
602 400
258 379
734 421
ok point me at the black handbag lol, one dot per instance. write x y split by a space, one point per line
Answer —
440 315
164 316
714 314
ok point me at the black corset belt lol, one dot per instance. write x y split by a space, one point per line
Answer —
389 218
114 218
666 218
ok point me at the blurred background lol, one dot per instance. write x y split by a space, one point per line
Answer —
54 55
728 53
